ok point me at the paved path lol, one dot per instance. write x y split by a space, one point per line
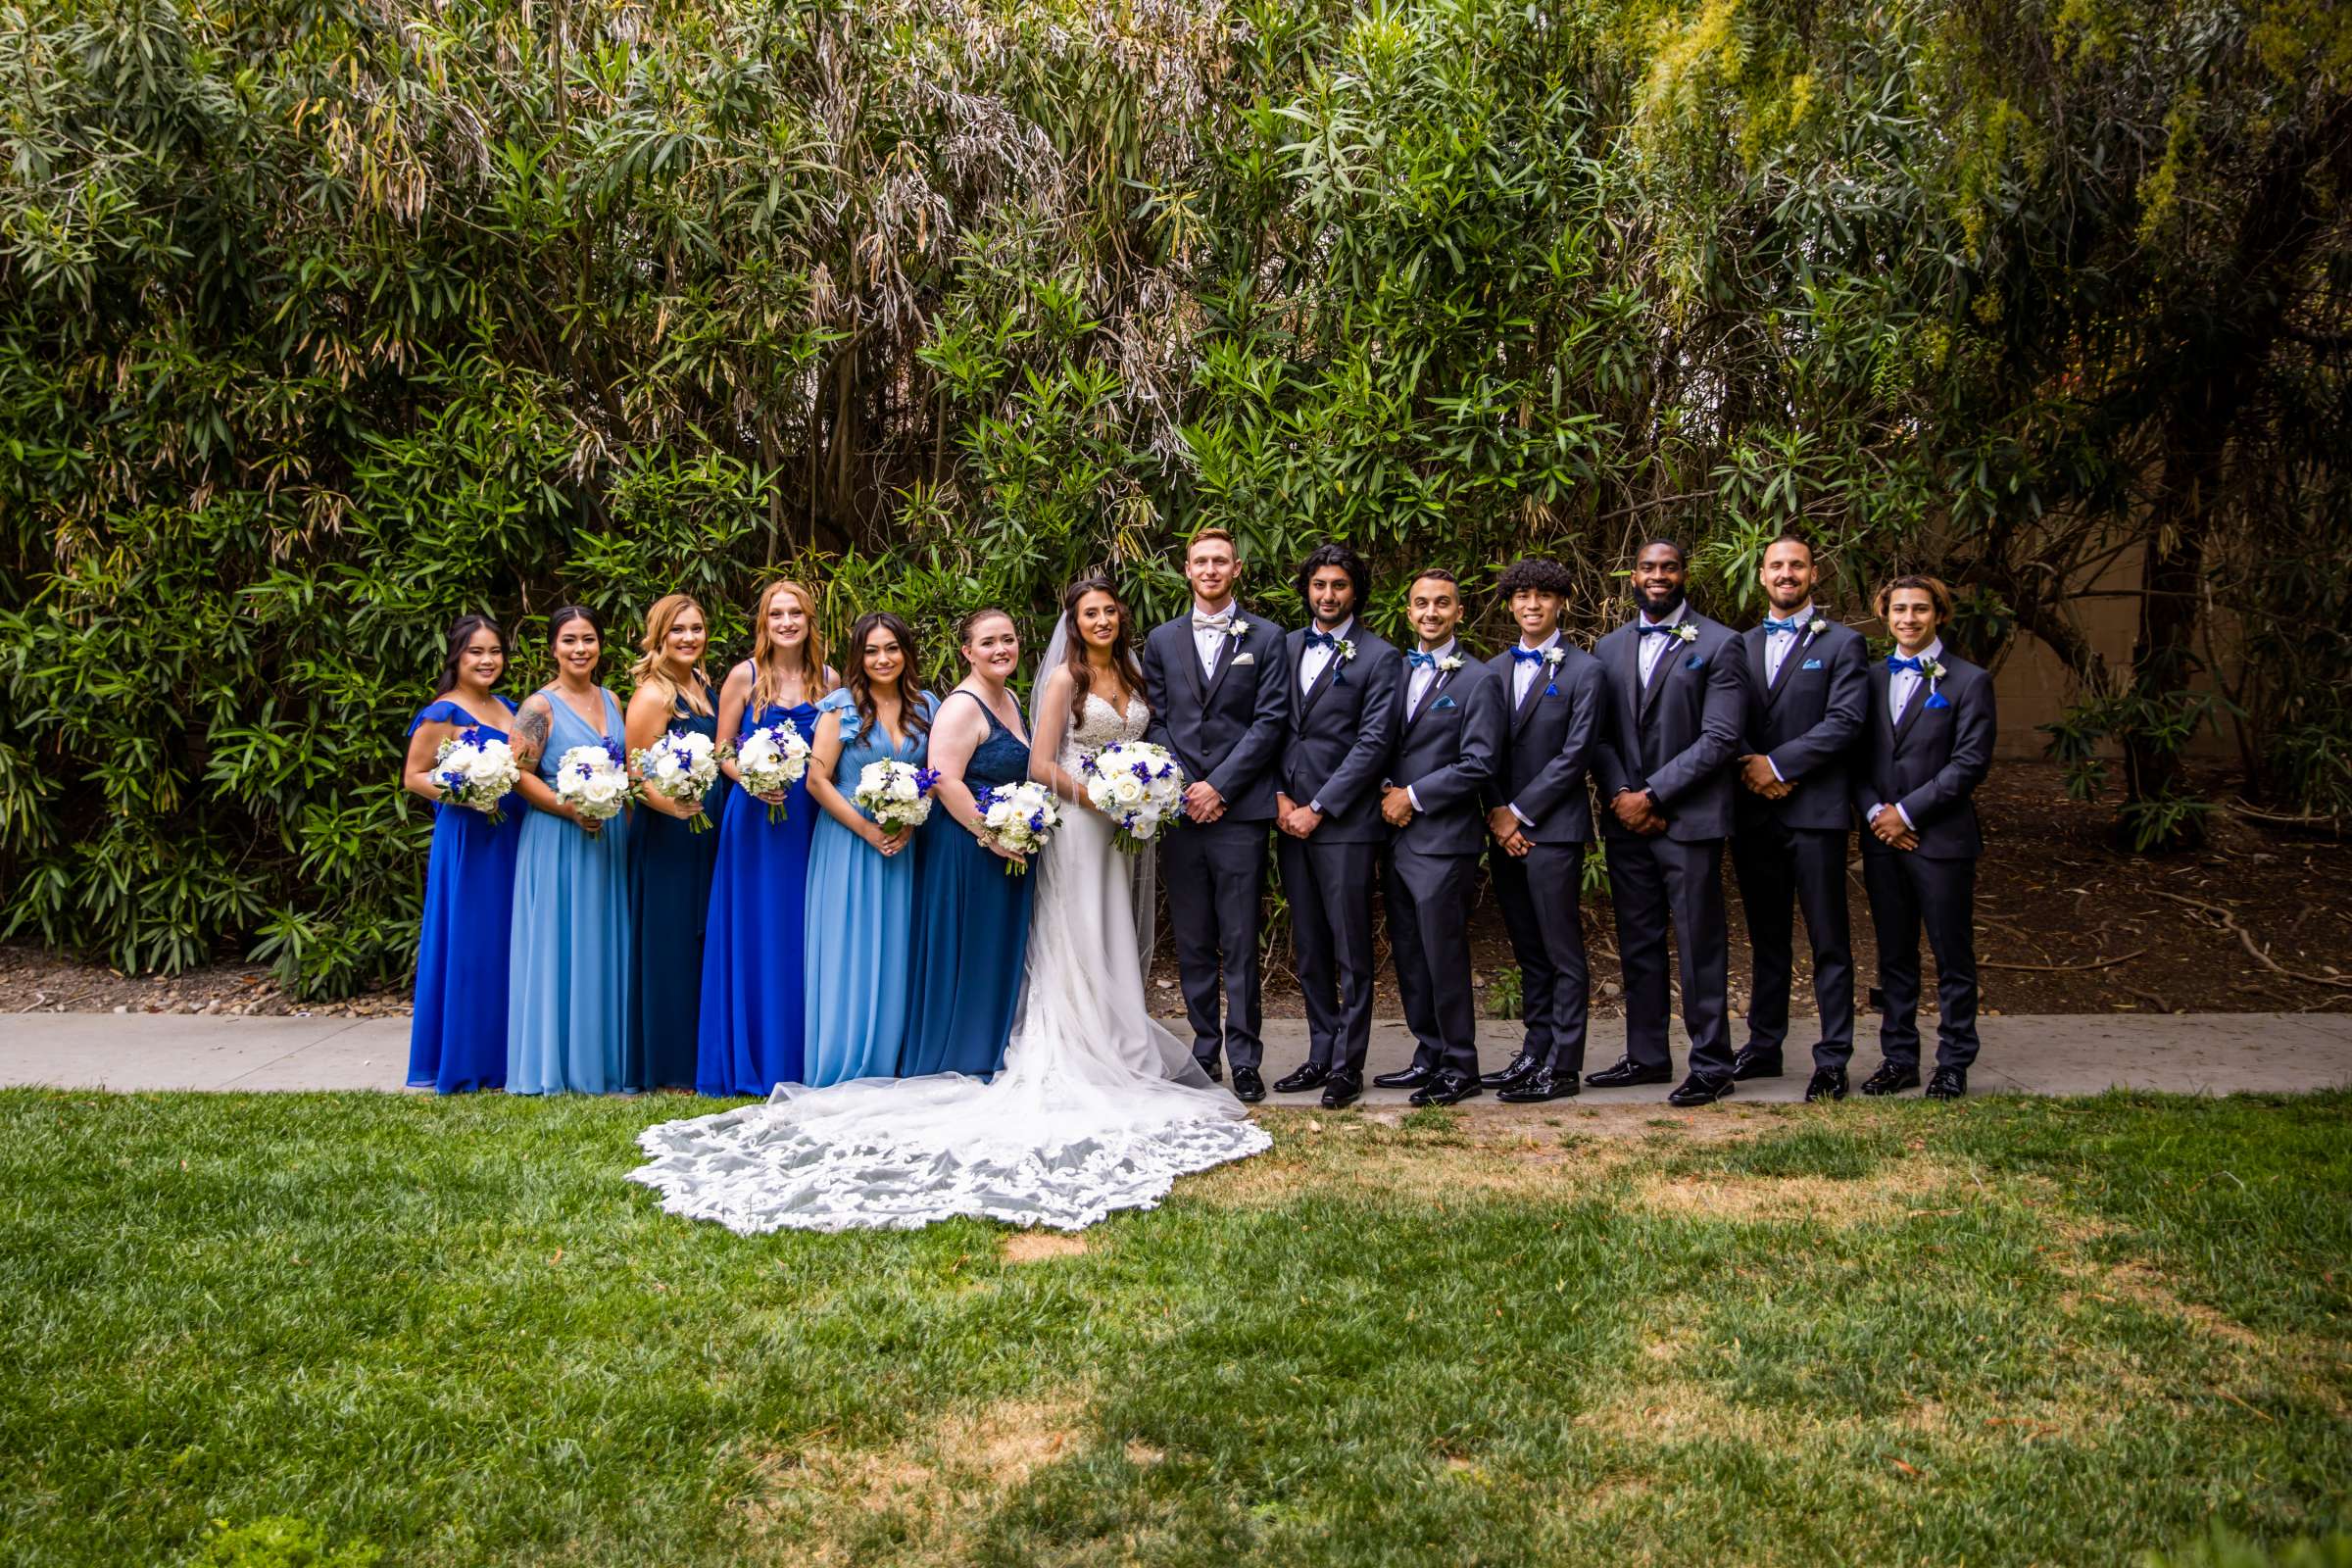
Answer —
2058 1055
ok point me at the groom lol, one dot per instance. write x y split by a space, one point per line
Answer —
1219 704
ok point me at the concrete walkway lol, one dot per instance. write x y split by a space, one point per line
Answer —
2057 1055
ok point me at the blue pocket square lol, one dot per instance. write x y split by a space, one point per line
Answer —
1695 662
1810 663
1443 702
1939 699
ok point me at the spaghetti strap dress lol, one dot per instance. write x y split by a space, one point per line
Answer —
458 1029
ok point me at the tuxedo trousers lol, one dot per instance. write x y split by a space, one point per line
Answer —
1329 889
1780 869
1908 892
1658 884
1428 941
1540 895
1216 878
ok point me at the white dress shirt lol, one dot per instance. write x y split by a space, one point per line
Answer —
1525 674
1206 640
1902 686
1779 644
1418 687
1651 647
1314 660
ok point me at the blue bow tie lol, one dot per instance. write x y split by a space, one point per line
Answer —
1528 655
1664 629
1421 661
1896 662
1792 624
1320 639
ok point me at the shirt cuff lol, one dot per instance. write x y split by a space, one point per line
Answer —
1412 797
1775 768
1315 807
1525 820
1906 816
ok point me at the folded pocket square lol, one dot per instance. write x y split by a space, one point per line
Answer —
1245 659
1810 663
1443 702
1695 662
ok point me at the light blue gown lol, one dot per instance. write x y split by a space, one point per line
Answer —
568 989
861 921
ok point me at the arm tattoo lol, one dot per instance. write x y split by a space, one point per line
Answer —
530 729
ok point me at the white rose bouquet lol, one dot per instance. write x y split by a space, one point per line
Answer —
771 760
1019 818
476 768
896 795
681 766
594 782
1138 785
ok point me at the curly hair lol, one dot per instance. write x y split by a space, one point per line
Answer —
1534 572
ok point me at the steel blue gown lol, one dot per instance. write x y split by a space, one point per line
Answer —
458 1034
670 868
971 929
567 997
752 1022
861 922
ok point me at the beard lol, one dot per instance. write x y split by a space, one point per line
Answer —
1659 606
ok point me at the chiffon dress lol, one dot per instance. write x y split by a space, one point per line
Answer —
458 1031
971 928
670 868
860 920
567 1000
752 1025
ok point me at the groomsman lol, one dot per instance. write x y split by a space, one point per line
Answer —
1809 693
1926 747
1220 700
1677 691
1449 734
1343 679
1541 819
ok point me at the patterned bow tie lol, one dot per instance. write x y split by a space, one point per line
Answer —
1791 625
1663 629
1896 662
1528 655
1318 639
1421 661
1203 622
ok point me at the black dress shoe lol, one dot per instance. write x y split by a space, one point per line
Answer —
1448 1089
1949 1083
1698 1091
1628 1071
1539 1086
1414 1077
1208 1066
1248 1087
1827 1083
1521 1065
1308 1076
1340 1089
1890 1079
1754 1063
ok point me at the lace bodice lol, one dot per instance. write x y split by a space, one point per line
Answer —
1101 723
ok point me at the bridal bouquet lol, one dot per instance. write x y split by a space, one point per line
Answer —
681 766
1019 818
771 760
591 780
476 769
1137 785
895 794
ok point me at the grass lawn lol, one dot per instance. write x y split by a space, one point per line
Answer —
2007 1331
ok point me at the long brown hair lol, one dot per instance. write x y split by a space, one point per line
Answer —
460 632
651 672
812 651
913 720
1074 651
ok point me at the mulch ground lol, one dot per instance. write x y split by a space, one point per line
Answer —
2065 923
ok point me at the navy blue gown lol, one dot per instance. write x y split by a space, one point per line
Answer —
753 1017
670 869
971 929
458 1036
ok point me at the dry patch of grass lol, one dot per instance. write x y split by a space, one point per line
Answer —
1038 1246
1905 1187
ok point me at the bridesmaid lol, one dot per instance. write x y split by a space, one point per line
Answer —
670 862
568 1000
458 1039
971 920
862 879
752 1019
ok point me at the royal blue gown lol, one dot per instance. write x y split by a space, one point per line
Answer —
861 921
752 1022
670 868
458 1034
971 928
567 997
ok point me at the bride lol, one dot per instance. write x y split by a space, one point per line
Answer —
1097 1107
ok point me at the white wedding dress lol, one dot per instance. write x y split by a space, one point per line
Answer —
1098 1108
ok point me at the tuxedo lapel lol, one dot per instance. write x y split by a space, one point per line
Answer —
1627 675
1884 678
1661 673
1919 702
1535 695
1331 668
1437 684
1758 660
1225 652
1779 680
1192 660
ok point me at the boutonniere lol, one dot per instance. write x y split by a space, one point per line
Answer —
1815 626
1239 629
1345 649
1449 663
1935 672
1554 655
1687 631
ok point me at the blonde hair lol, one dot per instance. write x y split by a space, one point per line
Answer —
812 651
651 672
